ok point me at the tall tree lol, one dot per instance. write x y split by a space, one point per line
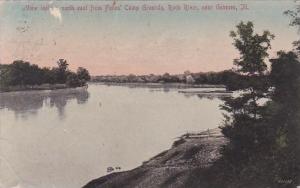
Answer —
243 124
61 71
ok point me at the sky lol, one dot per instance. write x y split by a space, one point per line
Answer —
139 42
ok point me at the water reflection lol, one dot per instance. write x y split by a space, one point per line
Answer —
211 96
152 87
27 103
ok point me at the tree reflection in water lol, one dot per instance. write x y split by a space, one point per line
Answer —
27 103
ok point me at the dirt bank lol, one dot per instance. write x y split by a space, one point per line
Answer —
170 168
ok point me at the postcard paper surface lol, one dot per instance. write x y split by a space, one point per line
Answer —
149 93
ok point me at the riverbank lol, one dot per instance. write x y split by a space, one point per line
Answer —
171 168
39 87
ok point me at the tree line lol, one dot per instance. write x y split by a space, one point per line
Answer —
22 73
226 77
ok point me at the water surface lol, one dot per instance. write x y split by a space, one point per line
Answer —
65 138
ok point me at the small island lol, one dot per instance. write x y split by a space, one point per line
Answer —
22 75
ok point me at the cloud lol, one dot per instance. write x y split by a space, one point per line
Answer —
55 12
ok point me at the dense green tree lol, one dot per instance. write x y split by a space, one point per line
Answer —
4 76
18 72
48 76
285 119
83 74
23 73
73 80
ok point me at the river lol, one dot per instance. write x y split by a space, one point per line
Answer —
65 138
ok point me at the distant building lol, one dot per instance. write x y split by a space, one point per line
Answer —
190 79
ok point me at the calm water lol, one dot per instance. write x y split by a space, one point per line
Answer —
63 139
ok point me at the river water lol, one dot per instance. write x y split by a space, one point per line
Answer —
65 138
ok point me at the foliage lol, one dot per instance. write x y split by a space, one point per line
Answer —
245 109
263 148
83 74
285 77
227 78
22 73
73 80
252 47
61 71
245 125
295 16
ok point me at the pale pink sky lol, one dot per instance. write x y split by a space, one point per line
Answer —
139 43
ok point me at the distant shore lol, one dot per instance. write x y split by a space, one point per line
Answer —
160 85
39 87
